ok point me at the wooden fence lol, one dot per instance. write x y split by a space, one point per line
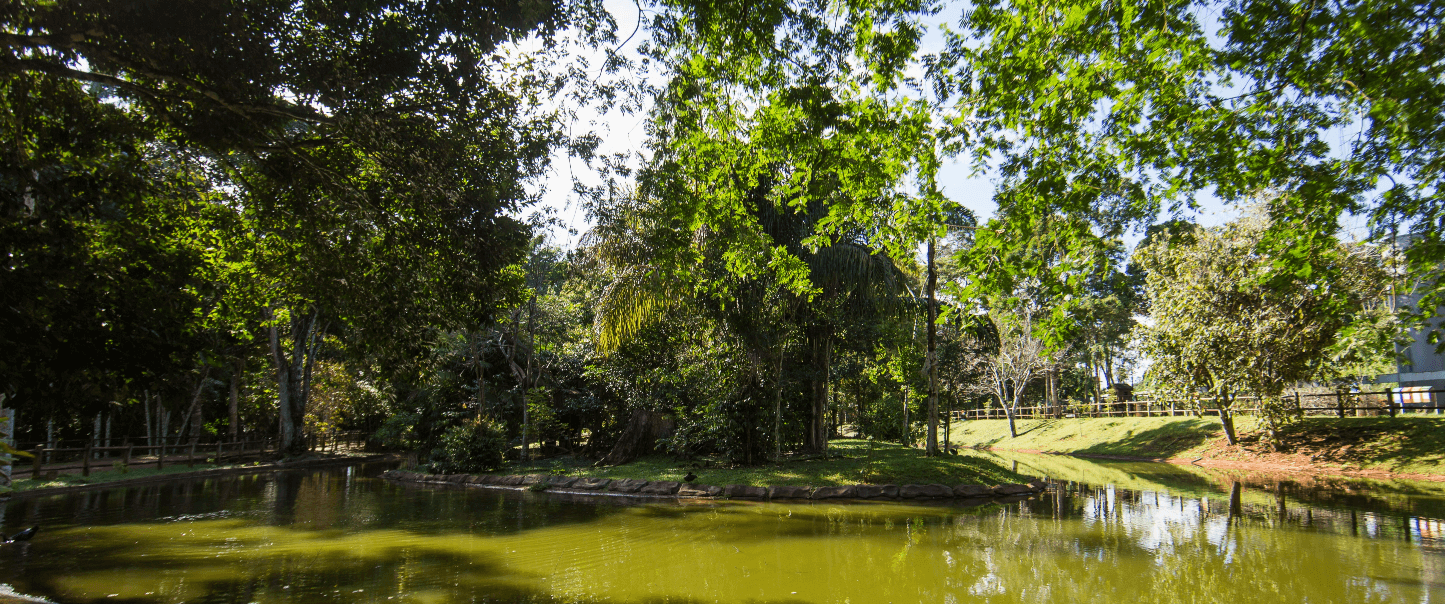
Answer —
1390 402
54 457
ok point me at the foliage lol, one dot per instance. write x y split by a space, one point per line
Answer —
357 169
1017 360
1108 112
399 431
1220 328
470 446
328 216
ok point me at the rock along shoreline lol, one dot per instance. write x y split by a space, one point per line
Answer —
682 490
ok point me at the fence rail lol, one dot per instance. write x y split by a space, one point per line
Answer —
53 457
1391 402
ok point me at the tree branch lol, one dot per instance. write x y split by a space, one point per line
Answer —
241 109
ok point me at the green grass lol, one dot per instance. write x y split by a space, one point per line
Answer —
1152 437
1411 444
1133 475
860 463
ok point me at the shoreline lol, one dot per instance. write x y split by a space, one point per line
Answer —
273 466
672 490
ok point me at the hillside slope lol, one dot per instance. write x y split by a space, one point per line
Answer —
1413 445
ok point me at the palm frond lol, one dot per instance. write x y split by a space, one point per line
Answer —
638 297
867 278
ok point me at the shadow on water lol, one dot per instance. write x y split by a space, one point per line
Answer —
1103 531
302 536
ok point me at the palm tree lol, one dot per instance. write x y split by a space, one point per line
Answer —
849 276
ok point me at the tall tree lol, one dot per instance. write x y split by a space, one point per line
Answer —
107 242
1019 357
374 151
1140 107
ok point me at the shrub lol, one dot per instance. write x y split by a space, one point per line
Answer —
471 446
399 431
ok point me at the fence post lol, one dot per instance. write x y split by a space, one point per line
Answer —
39 460
129 448
220 444
1340 402
1390 400
85 465
191 456
1297 407
161 457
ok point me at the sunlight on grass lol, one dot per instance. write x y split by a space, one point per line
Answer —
850 462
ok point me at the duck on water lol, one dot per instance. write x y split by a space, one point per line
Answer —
24 535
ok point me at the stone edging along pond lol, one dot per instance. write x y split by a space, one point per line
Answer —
680 490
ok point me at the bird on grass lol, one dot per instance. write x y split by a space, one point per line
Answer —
24 535
690 477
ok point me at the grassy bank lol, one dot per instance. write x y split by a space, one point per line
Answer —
1411 445
860 463
110 474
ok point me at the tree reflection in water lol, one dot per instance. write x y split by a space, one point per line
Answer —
337 535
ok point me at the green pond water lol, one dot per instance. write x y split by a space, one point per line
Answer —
1104 532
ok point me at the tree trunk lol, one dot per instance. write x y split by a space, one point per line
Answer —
481 401
948 415
531 352
820 345
235 400
1098 399
146 408
1226 420
1054 404
292 369
1224 402
931 448
1108 368
639 438
778 412
857 405
907 438
1012 407
194 413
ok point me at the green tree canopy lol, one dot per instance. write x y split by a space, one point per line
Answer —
1218 329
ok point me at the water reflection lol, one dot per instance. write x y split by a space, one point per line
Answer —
1102 533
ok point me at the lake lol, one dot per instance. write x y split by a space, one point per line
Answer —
1103 532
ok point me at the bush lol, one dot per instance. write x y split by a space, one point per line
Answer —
471 446
398 432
